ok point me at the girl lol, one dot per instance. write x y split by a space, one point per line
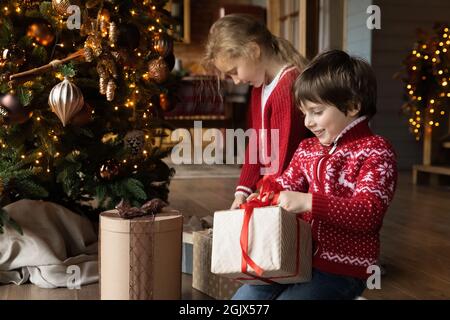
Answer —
243 49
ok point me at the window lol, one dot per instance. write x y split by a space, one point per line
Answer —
296 21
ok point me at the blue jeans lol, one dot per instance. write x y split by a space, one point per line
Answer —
323 286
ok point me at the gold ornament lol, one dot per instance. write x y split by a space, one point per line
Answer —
110 90
66 100
41 32
103 83
163 44
113 33
88 54
104 28
61 6
95 43
158 70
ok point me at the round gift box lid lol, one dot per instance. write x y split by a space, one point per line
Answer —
166 221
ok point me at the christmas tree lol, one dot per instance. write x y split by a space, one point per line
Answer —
83 85
427 77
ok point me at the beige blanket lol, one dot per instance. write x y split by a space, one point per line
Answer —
58 247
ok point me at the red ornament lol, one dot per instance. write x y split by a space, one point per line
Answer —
12 110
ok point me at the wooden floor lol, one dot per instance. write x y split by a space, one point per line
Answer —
415 241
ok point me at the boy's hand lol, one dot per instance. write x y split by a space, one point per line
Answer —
238 200
295 202
252 196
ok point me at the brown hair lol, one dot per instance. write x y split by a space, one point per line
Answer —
336 78
230 35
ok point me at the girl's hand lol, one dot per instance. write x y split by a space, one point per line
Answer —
295 202
238 200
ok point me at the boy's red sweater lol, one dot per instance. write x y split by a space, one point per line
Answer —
352 184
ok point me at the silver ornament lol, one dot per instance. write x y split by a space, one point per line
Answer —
66 100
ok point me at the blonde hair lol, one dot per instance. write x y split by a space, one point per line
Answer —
230 35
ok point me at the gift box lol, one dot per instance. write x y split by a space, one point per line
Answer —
186 261
140 258
215 286
270 245
192 223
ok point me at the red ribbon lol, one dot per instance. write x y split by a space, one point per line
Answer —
268 196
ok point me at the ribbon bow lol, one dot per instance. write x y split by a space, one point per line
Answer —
150 207
268 196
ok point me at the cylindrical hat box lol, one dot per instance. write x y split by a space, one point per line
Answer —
140 258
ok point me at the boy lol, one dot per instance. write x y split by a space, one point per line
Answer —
342 180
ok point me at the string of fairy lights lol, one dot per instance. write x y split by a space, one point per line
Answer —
427 85
41 157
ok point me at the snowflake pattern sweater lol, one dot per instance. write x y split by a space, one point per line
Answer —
279 113
352 184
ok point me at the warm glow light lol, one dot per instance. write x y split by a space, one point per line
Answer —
419 98
414 68
417 112
437 52
38 118
440 72
437 124
442 113
411 92
116 108
418 55
408 86
135 166
37 161
431 110
444 83
431 123
22 156
434 60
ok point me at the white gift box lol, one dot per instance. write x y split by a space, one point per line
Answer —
278 242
